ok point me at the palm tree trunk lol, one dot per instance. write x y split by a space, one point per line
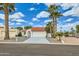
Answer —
55 24
54 27
6 21
51 29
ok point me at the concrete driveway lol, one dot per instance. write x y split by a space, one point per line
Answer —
37 40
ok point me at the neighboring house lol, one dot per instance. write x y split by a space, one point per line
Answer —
12 32
38 32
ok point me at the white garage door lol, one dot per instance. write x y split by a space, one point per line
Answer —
38 34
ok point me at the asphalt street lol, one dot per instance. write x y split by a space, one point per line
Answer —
10 49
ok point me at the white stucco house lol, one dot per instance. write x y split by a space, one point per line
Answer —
34 32
38 32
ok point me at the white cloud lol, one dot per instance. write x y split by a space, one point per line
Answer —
38 26
16 15
69 13
16 8
73 12
48 4
18 23
1 24
13 19
68 5
31 23
11 24
43 14
37 3
46 21
35 19
2 16
63 5
67 26
18 20
68 20
31 9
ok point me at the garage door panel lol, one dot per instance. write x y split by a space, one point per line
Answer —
38 34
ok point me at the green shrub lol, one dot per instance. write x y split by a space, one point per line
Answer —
19 34
59 34
19 28
66 34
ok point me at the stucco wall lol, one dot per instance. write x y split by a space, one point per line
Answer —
12 34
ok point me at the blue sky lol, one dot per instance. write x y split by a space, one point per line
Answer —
35 14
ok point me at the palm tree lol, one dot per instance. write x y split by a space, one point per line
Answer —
48 28
54 14
7 8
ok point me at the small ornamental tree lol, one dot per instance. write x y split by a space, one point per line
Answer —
19 28
77 28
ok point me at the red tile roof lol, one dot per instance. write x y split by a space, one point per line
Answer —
38 29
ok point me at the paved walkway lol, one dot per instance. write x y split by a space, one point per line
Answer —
37 40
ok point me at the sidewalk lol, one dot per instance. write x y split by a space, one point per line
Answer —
16 39
65 40
10 40
72 40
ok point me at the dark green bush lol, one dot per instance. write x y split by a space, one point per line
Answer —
19 34
66 34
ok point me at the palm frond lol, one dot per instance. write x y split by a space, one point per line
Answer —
55 14
9 10
1 6
52 8
11 7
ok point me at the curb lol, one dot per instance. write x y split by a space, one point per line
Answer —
38 43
